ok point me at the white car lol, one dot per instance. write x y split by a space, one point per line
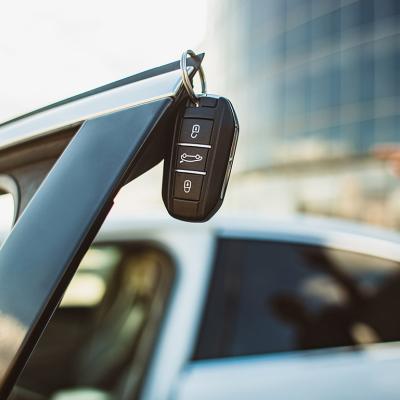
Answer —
234 309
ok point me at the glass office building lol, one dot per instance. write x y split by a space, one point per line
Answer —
316 84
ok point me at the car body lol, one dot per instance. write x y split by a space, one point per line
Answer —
334 373
158 310
176 370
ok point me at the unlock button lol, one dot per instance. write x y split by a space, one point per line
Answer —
187 186
196 131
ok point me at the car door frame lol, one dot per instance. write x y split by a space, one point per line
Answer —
118 132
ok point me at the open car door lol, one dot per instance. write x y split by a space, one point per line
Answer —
64 164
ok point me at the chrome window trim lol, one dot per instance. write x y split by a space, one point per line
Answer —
74 113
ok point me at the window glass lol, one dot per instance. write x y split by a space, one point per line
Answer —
90 281
6 212
270 297
387 9
298 41
107 324
387 64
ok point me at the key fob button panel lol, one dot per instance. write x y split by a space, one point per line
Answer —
197 168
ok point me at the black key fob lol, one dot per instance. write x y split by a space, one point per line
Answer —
197 169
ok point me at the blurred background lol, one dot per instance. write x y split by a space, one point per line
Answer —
315 83
317 87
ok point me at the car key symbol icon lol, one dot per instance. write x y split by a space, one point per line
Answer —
195 131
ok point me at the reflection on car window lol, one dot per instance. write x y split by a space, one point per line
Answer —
89 284
274 297
6 212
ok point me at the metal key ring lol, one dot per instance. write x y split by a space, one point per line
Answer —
186 79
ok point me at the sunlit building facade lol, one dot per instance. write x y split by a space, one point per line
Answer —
316 84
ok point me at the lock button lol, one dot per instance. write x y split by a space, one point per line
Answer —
196 131
188 186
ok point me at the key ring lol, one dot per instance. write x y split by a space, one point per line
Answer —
186 80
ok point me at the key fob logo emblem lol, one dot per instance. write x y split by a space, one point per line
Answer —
187 186
195 131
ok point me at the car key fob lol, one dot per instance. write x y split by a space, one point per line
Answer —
198 166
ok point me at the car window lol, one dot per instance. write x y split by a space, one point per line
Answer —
6 212
90 282
268 297
107 323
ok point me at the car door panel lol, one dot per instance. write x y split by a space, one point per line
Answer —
364 375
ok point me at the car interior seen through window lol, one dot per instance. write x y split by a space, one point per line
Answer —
107 321
268 297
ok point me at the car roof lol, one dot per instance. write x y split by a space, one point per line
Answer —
301 229
297 229
150 85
